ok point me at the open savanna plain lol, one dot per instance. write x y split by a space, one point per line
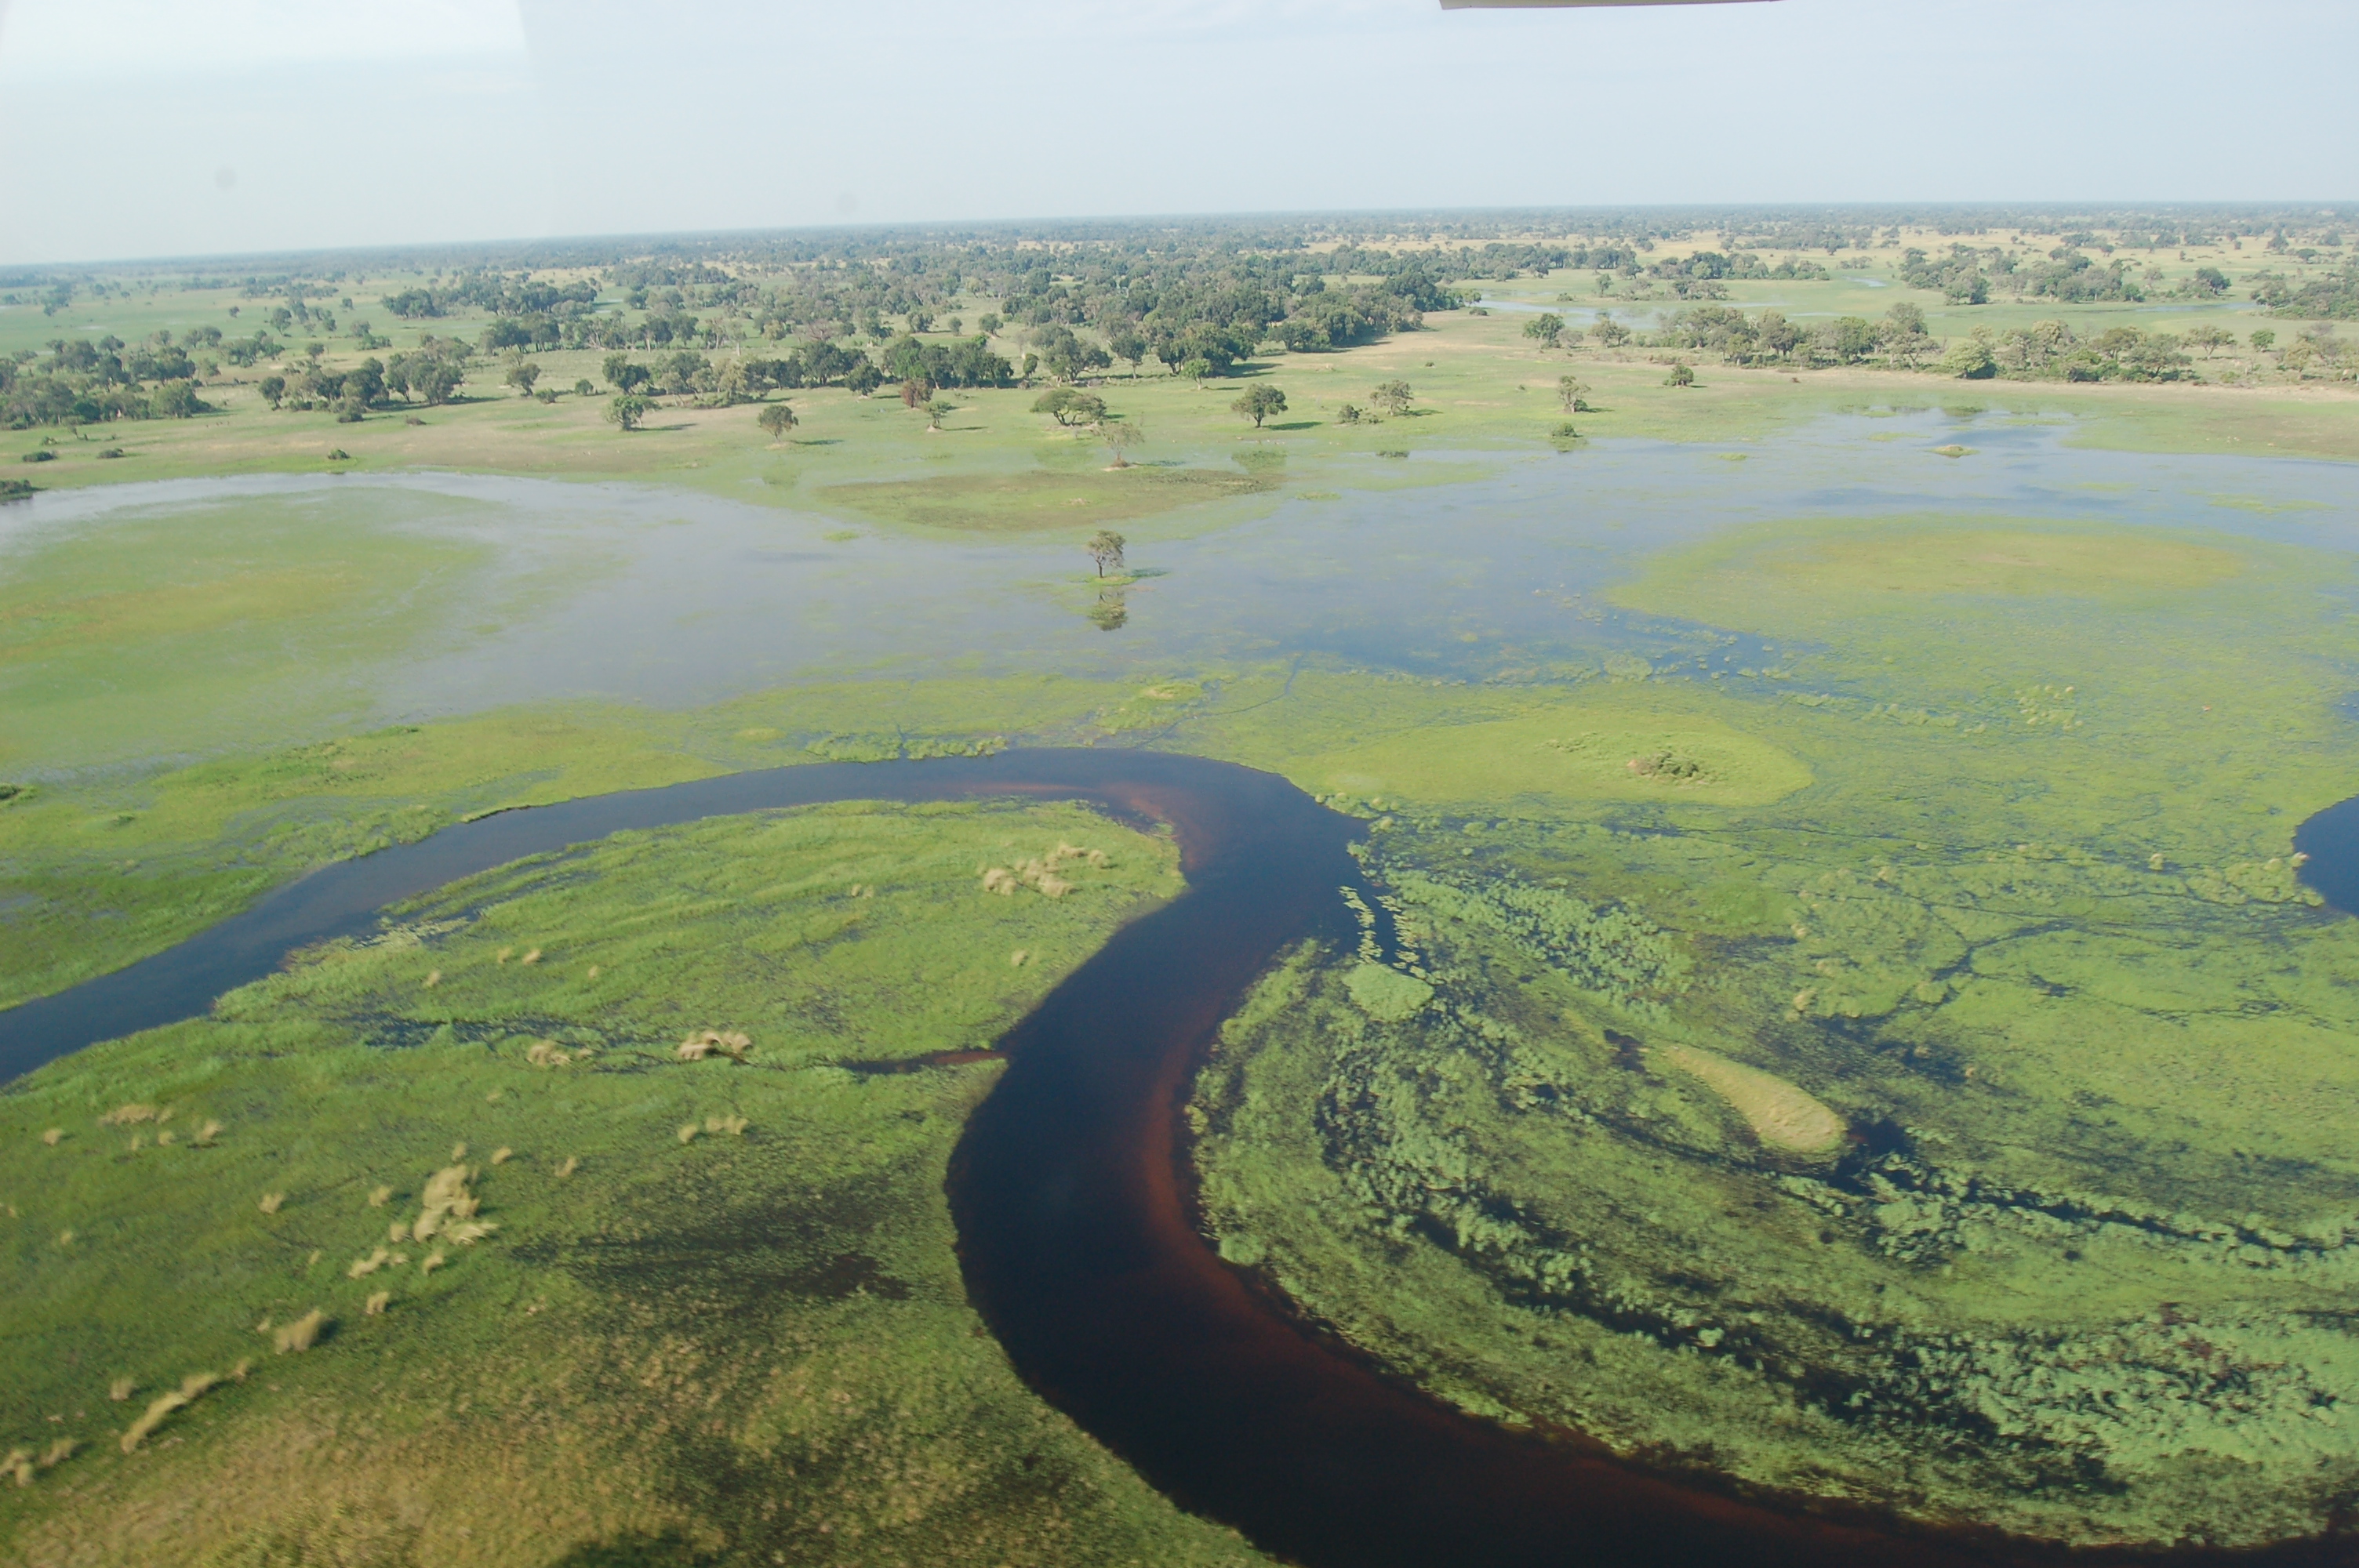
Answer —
1846 1016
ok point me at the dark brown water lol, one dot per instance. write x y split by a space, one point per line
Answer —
1070 1193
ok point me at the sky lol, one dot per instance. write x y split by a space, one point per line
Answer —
136 128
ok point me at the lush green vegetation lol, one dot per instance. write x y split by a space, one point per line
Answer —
1869 1038
2026 933
649 1303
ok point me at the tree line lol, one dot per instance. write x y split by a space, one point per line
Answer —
86 383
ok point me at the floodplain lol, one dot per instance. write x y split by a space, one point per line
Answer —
1854 1029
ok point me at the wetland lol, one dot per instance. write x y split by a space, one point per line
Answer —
1809 1008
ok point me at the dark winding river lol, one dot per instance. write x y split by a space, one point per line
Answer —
1070 1191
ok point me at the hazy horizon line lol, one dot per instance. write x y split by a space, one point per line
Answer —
20 274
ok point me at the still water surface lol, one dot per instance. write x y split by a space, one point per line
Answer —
674 598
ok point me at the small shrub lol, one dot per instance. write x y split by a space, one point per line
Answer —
303 1333
709 1042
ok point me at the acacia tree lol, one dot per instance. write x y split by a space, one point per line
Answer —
1105 548
1068 407
1394 397
935 410
628 410
1259 403
1570 391
521 375
1118 437
777 419
1546 328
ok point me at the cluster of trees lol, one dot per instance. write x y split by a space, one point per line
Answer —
2045 351
85 382
969 361
500 294
2050 351
1713 267
1967 275
1959 275
742 378
431 374
2334 297
2069 277
1768 338
1200 304
1498 259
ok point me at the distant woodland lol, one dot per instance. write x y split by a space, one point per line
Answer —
936 307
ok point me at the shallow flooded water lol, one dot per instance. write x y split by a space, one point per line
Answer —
1994 866
676 598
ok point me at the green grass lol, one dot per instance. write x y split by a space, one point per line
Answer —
1987 853
1479 384
2026 921
144 632
1025 501
102 870
750 1339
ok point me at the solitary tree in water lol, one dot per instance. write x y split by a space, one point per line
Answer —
777 419
1106 548
1117 436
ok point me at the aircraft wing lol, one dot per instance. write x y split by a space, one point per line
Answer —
1565 5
